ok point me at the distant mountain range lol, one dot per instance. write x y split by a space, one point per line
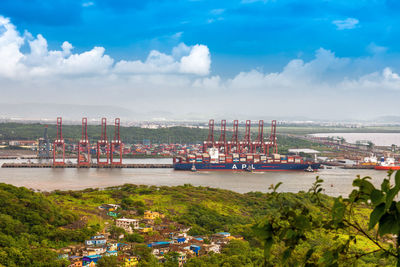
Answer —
73 113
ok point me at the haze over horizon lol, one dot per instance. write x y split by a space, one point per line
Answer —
319 60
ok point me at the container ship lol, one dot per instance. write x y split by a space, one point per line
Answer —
242 155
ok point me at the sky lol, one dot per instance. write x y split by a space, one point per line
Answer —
199 59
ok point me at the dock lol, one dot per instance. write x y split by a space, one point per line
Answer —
94 165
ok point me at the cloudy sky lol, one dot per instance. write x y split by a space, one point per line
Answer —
312 59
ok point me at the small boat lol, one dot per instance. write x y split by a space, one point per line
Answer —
249 168
309 169
193 169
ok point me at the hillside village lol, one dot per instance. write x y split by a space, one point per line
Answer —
130 234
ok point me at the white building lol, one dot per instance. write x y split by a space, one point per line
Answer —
127 224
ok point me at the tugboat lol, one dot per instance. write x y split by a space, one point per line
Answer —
387 164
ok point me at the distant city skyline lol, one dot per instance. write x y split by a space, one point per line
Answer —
324 60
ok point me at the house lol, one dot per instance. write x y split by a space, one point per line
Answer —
152 215
160 248
128 260
90 260
127 224
98 237
195 249
181 258
223 234
181 240
111 253
216 248
145 229
112 246
109 207
76 261
96 242
123 246
90 251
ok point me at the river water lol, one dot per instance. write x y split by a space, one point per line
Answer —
336 181
379 139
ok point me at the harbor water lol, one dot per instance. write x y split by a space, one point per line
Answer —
336 181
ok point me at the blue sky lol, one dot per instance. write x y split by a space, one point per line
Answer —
241 35
332 48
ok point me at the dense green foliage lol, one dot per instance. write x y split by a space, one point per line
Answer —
30 224
237 253
279 229
293 234
130 135
13 131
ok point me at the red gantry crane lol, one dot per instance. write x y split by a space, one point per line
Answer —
272 140
116 145
234 143
259 142
247 138
222 144
103 147
210 139
59 145
84 146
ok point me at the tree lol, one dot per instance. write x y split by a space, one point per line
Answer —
116 232
146 258
293 227
135 237
172 259
108 261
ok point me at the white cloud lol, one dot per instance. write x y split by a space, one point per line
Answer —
376 49
346 24
43 62
217 11
10 43
180 81
87 4
197 62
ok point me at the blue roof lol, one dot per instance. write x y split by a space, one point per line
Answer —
199 238
161 243
93 256
158 243
223 233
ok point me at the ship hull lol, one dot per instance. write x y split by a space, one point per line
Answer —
245 166
386 168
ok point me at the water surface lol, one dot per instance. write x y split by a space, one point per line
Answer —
337 181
